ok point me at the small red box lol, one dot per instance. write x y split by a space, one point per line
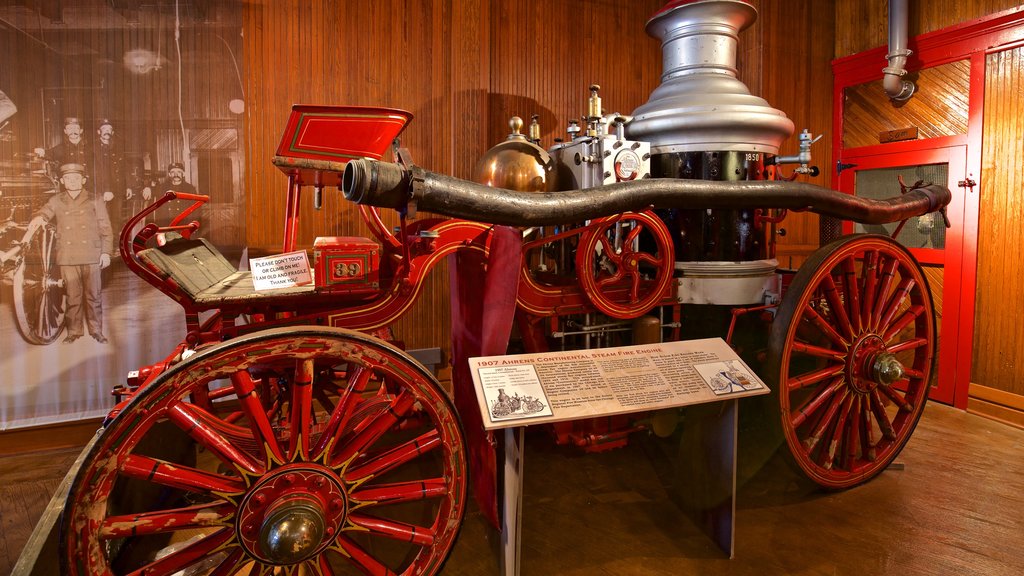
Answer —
347 264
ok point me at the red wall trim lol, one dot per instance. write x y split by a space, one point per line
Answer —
973 39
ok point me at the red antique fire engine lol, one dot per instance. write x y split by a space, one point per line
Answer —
299 442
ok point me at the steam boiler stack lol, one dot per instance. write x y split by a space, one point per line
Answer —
704 124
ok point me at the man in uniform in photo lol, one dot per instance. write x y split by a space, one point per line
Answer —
107 179
73 148
175 182
84 244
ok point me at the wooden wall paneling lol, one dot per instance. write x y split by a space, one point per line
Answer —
864 24
545 55
939 106
793 41
387 53
999 331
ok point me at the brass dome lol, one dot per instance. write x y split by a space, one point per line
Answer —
516 164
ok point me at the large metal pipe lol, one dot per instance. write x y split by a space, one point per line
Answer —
895 86
388 185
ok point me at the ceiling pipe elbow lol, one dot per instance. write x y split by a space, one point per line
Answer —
895 86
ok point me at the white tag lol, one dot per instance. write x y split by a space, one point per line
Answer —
281 271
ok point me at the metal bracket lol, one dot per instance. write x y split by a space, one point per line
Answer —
840 166
967 183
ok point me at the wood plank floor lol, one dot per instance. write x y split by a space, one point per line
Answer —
955 506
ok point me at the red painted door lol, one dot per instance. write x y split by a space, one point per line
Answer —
874 173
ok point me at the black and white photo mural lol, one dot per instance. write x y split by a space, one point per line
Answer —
105 105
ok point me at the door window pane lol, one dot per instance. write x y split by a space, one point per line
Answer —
926 231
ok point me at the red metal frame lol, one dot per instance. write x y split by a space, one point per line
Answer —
971 40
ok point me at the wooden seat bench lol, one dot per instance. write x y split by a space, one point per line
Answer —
203 273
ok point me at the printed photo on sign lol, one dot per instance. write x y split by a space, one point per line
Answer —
98 124
728 377
513 392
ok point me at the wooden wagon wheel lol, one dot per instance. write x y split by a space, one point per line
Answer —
641 263
852 350
313 451
39 289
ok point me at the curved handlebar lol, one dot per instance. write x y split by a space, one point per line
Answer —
130 245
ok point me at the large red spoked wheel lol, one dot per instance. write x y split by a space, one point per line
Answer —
39 289
854 340
312 451
624 263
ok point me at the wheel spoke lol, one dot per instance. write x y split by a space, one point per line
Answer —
870 278
907 345
198 516
878 409
913 374
851 290
371 433
894 395
190 554
608 251
838 432
633 233
826 420
402 491
302 409
836 305
867 432
853 437
394 529
905 319
255 413
818 351
825 328
634 286
396 457
811 378
343 411
801 414
888 276
646 258
612 279
901 293
177 476
361 559
182 416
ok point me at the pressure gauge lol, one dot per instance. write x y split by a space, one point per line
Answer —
627 165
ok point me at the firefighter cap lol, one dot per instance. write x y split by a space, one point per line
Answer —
68 168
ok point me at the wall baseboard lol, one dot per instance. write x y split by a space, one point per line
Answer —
49 437
996 404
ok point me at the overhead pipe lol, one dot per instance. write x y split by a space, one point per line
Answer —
895 86
387 185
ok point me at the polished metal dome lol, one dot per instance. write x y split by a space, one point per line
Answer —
516 164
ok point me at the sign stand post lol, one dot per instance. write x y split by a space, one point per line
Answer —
706 376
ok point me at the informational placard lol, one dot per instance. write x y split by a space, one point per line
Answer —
280 271
527 389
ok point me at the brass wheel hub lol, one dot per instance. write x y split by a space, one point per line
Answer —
870 365
291 514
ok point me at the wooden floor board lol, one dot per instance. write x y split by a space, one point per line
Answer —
954 506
